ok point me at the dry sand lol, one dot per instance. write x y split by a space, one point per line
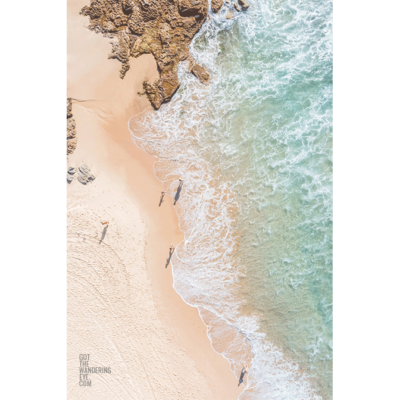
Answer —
122 309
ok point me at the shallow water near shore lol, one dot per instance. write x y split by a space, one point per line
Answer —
254 148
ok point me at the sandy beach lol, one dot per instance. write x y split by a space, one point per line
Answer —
122 309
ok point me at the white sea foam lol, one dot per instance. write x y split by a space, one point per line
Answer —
185 137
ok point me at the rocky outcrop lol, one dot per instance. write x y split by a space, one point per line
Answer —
71 129
200 73
85 176
163 28
244 4
69 108
216 5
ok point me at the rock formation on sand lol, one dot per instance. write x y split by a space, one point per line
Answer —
70 174
85 174
164 28
71 131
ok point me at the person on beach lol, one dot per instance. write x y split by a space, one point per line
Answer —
171 251
178 191
103 235
161 198
245 370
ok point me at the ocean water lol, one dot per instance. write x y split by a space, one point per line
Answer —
254 148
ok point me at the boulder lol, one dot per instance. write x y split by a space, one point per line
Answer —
244 4
85 176
200 73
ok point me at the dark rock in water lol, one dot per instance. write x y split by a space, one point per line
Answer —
85 175
216 5
201 73
237 8
244 4
230 15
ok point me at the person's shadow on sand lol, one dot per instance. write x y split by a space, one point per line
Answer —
103 235
178 192
161 199
242 374
171 251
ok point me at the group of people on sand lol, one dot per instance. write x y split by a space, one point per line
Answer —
245 368
105 224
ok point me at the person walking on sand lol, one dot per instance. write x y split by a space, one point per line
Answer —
245 370
105 223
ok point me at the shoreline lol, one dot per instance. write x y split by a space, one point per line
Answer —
104 142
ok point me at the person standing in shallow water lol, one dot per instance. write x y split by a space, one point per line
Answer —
245 370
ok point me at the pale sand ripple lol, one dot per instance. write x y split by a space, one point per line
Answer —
111 312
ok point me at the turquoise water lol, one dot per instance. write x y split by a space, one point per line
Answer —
254 148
